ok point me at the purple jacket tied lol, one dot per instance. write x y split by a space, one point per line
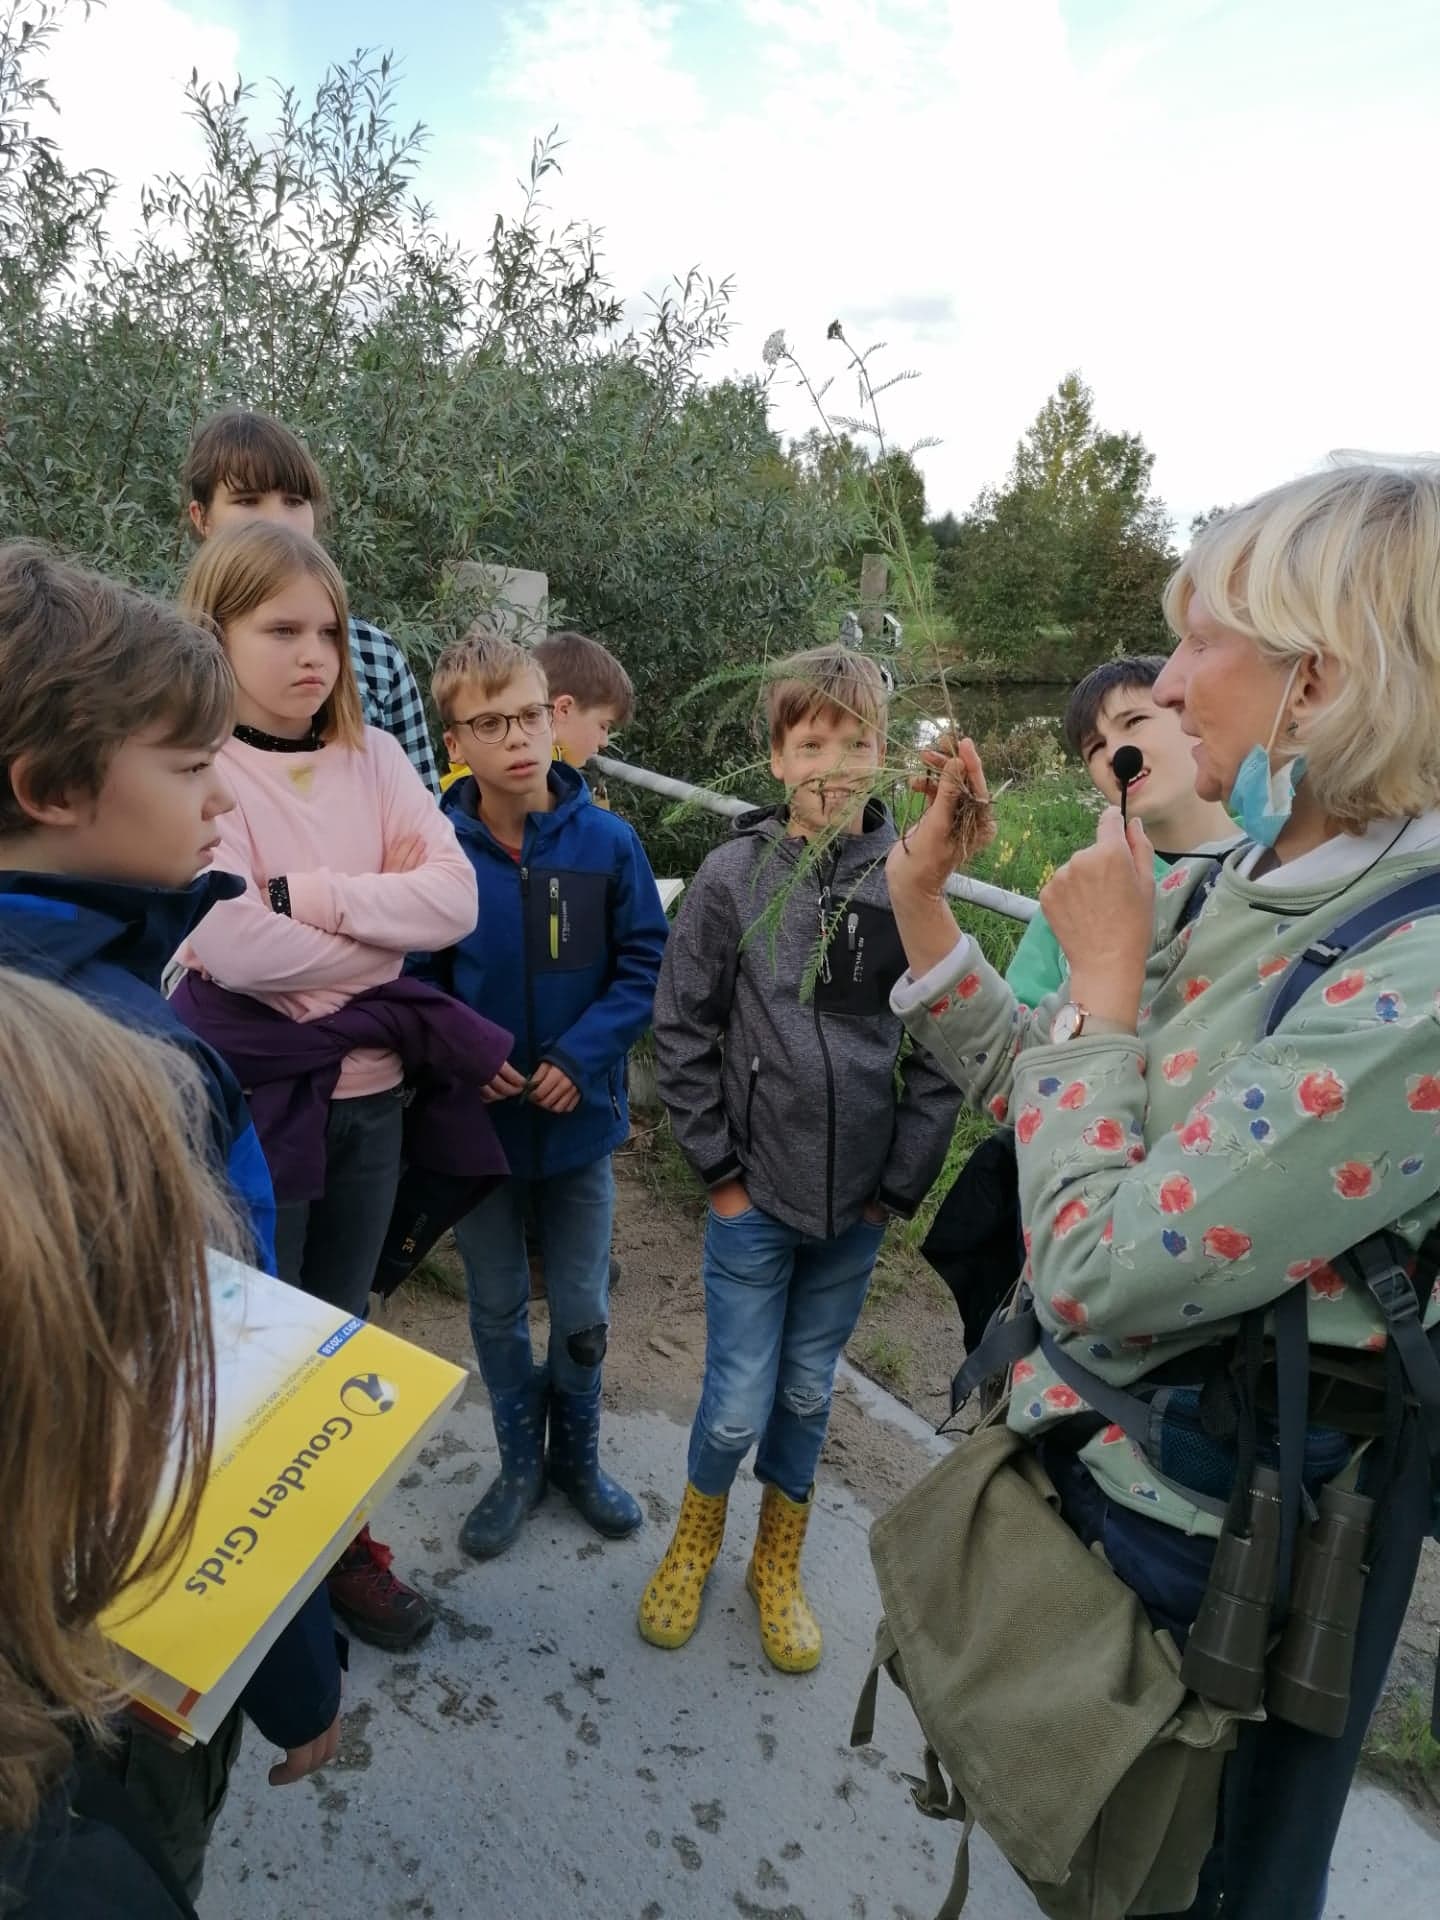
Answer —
289 1069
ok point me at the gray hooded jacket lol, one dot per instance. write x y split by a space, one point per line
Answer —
797 1093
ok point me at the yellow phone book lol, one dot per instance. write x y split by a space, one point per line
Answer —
317 1416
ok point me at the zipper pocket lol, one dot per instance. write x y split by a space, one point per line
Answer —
750 1102
555 917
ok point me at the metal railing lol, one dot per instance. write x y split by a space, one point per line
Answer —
979 893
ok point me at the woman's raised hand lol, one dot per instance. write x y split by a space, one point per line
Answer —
957 822
1101 908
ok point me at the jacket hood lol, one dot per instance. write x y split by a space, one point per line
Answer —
567 787
67 924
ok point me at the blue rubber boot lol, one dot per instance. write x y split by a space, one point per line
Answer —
519 1487
575 1465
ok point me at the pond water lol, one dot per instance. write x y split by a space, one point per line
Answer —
984 710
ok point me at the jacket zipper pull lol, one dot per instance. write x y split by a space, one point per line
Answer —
825 934
852 927
555 918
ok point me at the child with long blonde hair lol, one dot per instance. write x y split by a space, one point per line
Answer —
106 1211
347 865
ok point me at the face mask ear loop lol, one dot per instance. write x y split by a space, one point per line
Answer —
1290 727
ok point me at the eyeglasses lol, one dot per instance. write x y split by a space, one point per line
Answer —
492 728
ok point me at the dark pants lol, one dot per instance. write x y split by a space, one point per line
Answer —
1284 1789
330 1246
177 1792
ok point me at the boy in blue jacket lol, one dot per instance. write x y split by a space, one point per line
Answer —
112 709
565 953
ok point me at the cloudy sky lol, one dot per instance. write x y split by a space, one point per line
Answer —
1221 211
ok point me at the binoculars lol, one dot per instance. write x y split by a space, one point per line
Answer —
1306 1679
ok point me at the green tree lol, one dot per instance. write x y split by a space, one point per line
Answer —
1065 563
489 407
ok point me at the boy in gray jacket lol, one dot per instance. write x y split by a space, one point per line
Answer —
776 1052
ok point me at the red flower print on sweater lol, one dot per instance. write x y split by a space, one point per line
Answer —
1177 1195
1104 1135
1343 989
1422 1094
1277 963
1302 1269
1226 1243
1060 1399
1321 1094
968 987
1028 1124
1193 989
1325 1283
1065 1307
1069 1217
1197 1135
1353 1180
1075 1096
1178 1067
1021 1372
1176 878
998 1107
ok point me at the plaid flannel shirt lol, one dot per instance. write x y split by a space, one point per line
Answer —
391 698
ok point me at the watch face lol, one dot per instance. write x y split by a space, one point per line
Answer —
1066 1024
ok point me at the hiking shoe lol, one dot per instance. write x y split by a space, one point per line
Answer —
376 1606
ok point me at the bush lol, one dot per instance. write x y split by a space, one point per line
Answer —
488 408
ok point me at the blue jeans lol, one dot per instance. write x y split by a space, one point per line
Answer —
779 1308
574 1214
1284 1789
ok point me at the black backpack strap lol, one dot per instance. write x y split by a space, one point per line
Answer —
1005 1342
1291 1330
1380 1264
1412 900
1139 1419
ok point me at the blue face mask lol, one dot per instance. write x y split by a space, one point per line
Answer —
1262 801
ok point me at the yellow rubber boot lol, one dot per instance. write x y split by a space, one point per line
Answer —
789 1632
670 1605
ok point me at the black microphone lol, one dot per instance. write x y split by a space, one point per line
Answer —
1127 765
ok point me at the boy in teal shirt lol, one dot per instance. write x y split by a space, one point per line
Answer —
1113 707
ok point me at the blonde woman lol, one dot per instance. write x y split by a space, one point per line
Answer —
347 866
1179 1167
107 1414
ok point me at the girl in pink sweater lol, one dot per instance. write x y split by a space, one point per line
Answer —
347 865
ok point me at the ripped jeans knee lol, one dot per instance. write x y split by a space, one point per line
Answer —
804 1401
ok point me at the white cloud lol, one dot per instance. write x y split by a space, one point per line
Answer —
1222 218
119 79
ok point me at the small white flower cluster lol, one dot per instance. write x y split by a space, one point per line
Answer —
774 349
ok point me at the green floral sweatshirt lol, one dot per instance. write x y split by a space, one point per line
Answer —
1171 1181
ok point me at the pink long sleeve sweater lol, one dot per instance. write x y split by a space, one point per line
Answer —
331 822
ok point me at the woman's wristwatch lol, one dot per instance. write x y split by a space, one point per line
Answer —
1072 1020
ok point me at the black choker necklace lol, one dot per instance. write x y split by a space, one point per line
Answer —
274 743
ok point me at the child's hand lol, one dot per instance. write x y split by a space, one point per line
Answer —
302 1761
506 1084
730 1199
553 1090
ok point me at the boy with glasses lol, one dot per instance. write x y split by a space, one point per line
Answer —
565 954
